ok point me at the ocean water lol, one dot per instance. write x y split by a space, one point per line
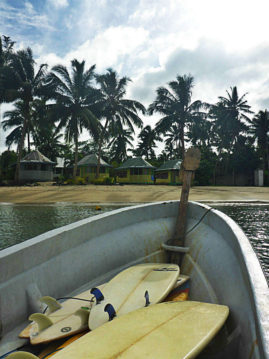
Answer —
254 220
21 222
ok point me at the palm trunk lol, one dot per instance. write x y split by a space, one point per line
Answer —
20 148
99 149
28 139
267 158
182 142
76 157
266 166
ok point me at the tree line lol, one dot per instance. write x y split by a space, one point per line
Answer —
51 108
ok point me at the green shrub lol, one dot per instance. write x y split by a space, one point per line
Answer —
108 181
103 181
76 181
97 181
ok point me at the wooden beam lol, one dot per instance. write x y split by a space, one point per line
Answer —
190 164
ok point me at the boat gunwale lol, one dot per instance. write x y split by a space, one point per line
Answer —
255 275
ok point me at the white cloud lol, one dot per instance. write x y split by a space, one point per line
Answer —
25 17
59 3
109 48
221 44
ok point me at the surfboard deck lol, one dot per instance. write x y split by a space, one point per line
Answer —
52 349
73 324
173 330
43 332
134 288
68 308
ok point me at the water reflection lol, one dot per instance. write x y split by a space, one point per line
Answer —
21 222
254 220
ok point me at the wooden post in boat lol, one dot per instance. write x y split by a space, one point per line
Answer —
190 164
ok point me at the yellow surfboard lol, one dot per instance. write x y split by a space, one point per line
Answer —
53 349
134 288
70 325
174 330
66 324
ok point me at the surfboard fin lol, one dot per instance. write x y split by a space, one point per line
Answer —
97 294
21 355
147 298
110 311
83 314
51 302
42 321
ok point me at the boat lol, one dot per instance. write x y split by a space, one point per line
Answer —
217 256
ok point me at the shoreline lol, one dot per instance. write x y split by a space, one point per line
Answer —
129 194
123 204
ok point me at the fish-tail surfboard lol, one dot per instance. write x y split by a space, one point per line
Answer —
136 287
46 330
71 325
58 311
180 292
174 330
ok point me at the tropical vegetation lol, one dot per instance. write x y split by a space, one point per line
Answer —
54 109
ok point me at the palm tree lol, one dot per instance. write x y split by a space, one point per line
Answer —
114 108
230 115
6 49
14 118
200 132
74 96
8 82
28 85
260 130
175 104
148 138
121 138
6 75
172 142
47 140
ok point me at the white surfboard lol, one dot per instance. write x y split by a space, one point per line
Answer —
70 325
134 288
174 330
57 312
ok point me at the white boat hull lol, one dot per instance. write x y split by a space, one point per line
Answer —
220 261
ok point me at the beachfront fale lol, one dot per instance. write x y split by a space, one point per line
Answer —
135 170
88 165
36 167
168 173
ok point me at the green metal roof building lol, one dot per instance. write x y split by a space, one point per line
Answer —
88 166
136 171
169 173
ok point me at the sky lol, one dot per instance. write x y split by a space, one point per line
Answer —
220 43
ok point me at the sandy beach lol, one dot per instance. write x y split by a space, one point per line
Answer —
46 193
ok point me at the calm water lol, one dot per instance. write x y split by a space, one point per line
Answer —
21 222
254 220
